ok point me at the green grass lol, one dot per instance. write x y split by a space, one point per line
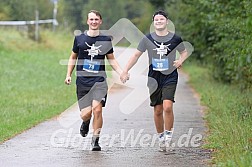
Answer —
229 117
32 80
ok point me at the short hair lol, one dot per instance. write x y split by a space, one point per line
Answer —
97 13
160 12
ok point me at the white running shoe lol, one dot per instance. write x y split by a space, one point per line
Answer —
168 138
161 140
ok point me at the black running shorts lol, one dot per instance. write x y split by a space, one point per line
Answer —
86 94
165 93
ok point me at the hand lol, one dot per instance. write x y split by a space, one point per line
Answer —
68 80
124 77
177 64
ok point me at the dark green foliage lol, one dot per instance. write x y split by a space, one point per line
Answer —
158 3
220 32
25 10
72 13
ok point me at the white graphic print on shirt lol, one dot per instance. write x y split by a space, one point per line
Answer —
161 64
93 51
90 65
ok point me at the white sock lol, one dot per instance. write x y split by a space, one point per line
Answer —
160 134
168 132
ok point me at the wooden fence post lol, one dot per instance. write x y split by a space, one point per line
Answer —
36 25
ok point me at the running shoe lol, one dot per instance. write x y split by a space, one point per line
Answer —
168 138
84 128
95 144
161 140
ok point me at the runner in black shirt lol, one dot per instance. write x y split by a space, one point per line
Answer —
90 50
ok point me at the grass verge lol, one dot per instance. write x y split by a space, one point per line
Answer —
229 117
32 80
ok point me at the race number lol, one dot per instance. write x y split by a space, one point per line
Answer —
91 66
160 64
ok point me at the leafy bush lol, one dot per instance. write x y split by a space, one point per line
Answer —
220 32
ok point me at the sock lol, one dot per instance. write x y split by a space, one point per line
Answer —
95 139
168 132
160 135
87 121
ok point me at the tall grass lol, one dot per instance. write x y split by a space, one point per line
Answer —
229 117
32 80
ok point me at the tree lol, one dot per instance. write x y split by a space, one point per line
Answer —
4 11
160 4
220 32
72 12
25 10
111 11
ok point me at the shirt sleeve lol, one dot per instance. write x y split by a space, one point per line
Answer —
142 45
181 46
111 50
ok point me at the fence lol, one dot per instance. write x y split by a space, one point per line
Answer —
32 22
21 23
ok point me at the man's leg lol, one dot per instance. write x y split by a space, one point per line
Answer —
97 120
158 118
97 125
159 122
84 102
168 121
168 114
168 93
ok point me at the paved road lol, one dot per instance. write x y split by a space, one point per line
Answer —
128 135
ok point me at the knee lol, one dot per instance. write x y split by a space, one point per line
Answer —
86 115
158 113
168 109
97 111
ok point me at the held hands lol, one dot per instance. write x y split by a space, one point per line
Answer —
68 80
124 76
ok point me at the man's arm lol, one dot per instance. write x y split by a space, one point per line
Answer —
132 61
183 56
112 61
70 67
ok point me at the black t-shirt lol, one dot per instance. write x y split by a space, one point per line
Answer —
162 52
91 55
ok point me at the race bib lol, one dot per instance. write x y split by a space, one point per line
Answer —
160 64
91 66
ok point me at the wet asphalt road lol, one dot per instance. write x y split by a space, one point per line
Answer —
128 135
